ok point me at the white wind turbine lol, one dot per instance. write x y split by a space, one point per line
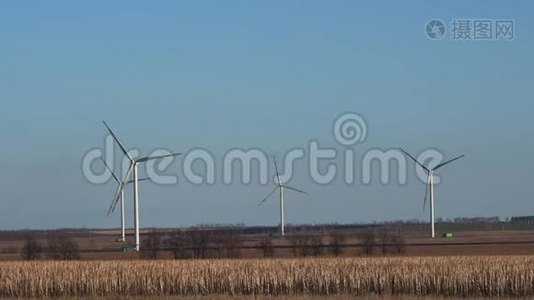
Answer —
430 185
280 186
133 167
112 208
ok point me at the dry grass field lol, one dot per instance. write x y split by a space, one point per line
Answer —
445 276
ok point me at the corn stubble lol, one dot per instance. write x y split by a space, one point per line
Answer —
449 276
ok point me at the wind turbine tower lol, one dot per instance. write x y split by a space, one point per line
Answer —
280 187
134 168
430 185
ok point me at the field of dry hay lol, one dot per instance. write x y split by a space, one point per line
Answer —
448 276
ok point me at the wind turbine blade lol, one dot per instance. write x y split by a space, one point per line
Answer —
115 201
111 171
143 159
269 195
294 189
117 140
143 179
119 190
276 168
140 179
448 162
420 164
426 190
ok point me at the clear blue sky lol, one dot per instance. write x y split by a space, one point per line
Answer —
270 75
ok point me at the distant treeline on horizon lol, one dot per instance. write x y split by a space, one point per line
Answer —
297 227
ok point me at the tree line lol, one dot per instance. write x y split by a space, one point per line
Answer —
59 247
201 244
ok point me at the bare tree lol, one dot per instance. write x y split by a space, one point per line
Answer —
316 246
63 247
368 240
151 244
200 240
218 241
336 243
231 244
177 244
227 243
384 237
305 248
52 247
267 247
398 243
32 249
300 245
295 244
